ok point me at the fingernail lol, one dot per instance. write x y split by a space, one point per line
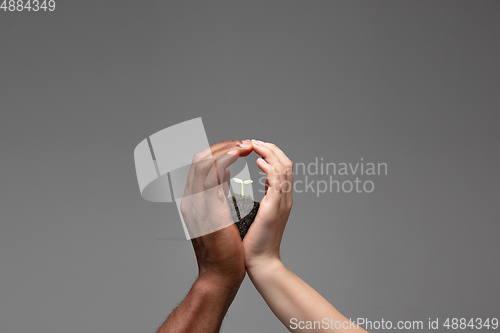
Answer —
232 152
245 144
258 143
262 160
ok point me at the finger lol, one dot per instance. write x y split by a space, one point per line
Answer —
226 185
221 147
197 158
218 147
221 163
270 157
263 165
200 172
273 184
243 148
287 163
224 146
266 153
288 169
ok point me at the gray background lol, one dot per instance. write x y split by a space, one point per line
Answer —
410 83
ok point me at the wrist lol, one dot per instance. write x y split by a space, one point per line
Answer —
264 266
216 282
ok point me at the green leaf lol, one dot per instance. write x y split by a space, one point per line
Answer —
248 181
237 180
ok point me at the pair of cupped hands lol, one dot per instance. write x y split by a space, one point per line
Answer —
223 258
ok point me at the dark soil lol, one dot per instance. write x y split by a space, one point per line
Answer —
244 213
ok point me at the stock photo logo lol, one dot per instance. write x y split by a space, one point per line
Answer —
321 178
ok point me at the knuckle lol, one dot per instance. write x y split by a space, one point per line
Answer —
278 168
199 167
197 157
207 184
225 144
184 206
232 142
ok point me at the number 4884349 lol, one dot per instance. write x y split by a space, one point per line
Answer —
28 5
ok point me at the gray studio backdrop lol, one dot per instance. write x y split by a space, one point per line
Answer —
413 84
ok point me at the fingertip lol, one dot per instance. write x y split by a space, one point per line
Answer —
261 160
263 165
245 151
245 145
257 143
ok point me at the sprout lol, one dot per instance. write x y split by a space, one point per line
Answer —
242 182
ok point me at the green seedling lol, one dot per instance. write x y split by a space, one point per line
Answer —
242 182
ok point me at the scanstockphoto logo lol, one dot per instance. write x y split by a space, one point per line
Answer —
320 177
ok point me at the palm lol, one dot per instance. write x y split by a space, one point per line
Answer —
263 237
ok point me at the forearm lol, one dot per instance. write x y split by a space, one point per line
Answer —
289 297
203 309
